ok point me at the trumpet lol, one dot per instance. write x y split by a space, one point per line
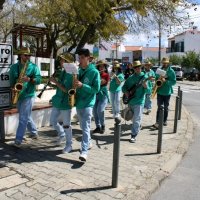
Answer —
157 85
159 82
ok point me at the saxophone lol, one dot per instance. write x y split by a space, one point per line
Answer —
72 91
19 85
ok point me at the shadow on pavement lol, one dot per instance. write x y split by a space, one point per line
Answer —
85 189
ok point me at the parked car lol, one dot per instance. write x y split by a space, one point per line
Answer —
178 71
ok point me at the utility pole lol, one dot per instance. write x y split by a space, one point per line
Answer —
159 44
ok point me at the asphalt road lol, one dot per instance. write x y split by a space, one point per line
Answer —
184 182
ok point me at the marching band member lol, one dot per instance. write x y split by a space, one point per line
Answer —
88 84
60 104
137 102
164 92
101 98
149 73
117 77
30 79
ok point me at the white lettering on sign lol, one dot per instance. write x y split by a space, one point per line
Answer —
5 54
4 99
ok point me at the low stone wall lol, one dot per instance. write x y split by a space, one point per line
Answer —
40 114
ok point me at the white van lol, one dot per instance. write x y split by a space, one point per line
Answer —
178 72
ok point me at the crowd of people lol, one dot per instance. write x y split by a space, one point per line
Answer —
93 88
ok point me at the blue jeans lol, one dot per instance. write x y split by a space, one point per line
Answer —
25 120
148 102
65 129
162 100
98 111
115 101
137 118
85 116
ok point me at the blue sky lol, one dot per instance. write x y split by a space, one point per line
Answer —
152 38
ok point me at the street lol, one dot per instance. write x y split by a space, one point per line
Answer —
184 182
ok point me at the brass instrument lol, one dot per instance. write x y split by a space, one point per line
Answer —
19 84
72 91
158 84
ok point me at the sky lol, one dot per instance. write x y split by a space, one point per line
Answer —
151 39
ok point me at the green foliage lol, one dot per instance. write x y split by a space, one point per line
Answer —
74 23
175 60
191 60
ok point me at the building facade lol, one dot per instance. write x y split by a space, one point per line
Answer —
184 42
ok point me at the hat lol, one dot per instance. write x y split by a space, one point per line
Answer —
24 51
101 62
116 65
84 52
115 62
165 60
137 63
67 57
147 62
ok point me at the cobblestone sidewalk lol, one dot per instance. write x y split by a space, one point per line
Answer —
39 170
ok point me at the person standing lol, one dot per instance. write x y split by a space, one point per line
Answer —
88 85
30 77
117 78
60 104
164 92
149 73
137 102
102 98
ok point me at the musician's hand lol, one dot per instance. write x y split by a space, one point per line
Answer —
144 84
103 81
26 79
152 78
78 84
163 79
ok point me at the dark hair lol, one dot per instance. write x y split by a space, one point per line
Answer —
84 52
119 70
106 68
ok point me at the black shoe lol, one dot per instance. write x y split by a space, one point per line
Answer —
97 130
102 129
165 124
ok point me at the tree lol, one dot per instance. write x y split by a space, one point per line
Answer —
175 60
76 22
191 60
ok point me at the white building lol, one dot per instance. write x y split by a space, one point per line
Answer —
184 42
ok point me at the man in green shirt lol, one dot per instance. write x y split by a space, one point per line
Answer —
29 79
165 90
88 85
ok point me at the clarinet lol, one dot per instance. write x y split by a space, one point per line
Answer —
44 88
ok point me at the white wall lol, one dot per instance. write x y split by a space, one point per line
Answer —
192 42
38 61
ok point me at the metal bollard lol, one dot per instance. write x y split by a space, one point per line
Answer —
116 150
179 89
180 104
176 114
160 129
2 128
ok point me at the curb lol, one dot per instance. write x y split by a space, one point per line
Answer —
152 185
